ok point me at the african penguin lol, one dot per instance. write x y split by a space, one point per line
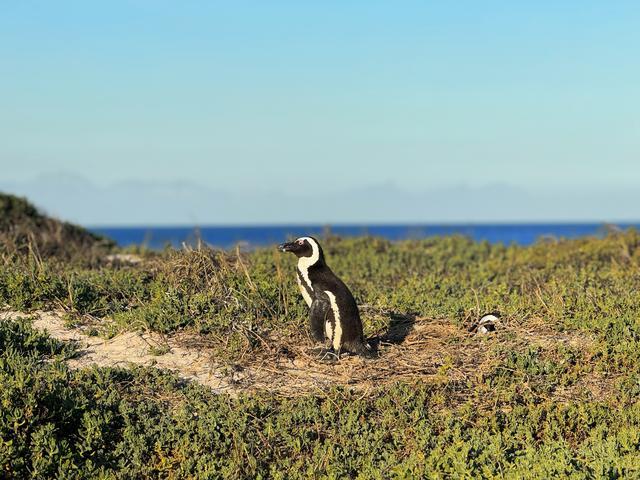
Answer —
334 313
487 324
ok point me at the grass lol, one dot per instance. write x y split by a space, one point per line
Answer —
554 393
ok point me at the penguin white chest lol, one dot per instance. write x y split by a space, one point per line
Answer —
335 334
303 278
305 262
303 268
303 290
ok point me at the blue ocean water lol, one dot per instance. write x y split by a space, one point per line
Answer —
254 236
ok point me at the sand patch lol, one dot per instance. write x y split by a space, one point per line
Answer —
131 348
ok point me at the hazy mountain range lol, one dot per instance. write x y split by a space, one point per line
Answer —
133 202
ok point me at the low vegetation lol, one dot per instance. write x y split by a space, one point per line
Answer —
24 229
553 393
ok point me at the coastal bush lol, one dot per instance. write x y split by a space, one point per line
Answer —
143 423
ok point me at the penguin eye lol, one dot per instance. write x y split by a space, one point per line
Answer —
300 242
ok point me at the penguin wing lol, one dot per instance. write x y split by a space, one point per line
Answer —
320 313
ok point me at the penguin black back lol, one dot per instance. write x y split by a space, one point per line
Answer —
334 312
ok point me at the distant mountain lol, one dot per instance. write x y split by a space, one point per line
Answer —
133 202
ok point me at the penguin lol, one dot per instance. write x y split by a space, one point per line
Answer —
486 324
333 310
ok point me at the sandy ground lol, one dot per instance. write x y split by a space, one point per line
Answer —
297 371
132 349
177 354
430 350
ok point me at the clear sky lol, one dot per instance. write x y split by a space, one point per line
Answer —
302 98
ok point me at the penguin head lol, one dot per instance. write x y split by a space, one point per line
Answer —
303 247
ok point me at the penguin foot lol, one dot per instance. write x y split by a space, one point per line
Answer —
326 355
369 352
364 350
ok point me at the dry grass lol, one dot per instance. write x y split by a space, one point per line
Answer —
431 351
434 351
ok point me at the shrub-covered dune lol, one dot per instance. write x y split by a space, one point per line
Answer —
553 393
23 228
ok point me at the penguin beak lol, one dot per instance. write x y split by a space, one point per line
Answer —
285 247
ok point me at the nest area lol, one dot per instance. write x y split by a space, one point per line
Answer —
438 352
412 349
434 351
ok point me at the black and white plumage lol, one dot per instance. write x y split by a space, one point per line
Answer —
334 312
487 324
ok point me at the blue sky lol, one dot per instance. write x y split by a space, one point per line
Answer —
302 99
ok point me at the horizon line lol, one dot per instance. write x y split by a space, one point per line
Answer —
604 223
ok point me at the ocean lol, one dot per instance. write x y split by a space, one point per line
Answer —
256 236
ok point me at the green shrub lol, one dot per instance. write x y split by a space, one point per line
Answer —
145 424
